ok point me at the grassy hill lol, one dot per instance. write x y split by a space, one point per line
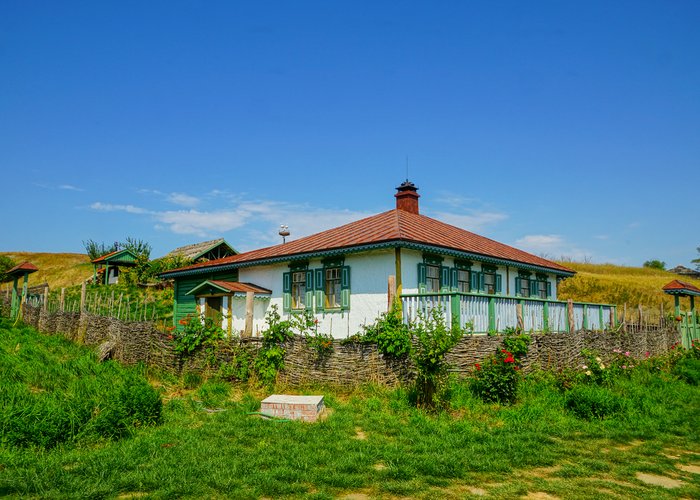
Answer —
56 269
608 283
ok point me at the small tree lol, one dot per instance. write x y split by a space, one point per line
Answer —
697 261
655 264
432 340
96 250
6 264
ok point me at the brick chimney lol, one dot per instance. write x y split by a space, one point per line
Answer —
407 197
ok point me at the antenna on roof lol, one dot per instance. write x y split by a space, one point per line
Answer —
406 168
284 232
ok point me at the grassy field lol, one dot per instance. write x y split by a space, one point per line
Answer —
372 443
56 269
611 284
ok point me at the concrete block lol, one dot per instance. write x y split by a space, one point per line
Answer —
305 408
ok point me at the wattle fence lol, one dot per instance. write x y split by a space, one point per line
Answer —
494 313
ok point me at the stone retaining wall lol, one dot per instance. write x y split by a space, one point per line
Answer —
348 364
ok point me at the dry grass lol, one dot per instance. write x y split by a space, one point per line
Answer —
56 269
611 284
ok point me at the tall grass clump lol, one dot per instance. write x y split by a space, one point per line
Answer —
52 392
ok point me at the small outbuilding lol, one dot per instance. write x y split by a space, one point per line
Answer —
690 329
107 267
204 251
22 270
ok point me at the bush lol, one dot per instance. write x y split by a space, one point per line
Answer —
270 358
593 402
196 334
688 370
390 333
496 381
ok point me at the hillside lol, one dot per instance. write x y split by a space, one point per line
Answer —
608 283
56 269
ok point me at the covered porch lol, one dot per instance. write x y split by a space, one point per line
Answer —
688 321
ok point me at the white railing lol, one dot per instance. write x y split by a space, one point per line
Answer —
495 313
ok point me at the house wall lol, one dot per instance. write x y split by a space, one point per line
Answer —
368 290
409 273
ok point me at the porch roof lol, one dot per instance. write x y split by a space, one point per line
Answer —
678 287
226 287
22 269
121 257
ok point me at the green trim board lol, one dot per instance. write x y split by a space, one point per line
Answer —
364 248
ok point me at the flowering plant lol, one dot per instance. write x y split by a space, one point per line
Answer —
496 380
195 334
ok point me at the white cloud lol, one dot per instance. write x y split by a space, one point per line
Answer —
69 187
183 199
108 207
552 246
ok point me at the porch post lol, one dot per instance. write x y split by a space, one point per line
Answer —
454 306
600 313
106 273
545 318
13 308
677 303
585 316
492 314
248 332
692 317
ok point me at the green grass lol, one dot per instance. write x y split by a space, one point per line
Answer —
611 284
374 443
56 269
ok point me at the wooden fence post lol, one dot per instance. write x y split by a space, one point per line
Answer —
45 305
391 291
519 315
83 292
570 315
248 332
63 299
624 317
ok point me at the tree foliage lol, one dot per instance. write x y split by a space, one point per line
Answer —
96 250
697 261
6 264
655 264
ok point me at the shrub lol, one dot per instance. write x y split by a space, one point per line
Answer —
390 333
196 334
432 341
496 381
270 358
688 370
593 402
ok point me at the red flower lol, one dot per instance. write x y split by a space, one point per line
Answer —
183 321
509 359
170 337
477 366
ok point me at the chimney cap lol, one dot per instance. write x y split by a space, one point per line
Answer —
407 186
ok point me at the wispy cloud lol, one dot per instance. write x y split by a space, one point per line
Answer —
70 187
183 199
260 219
552 246
109 207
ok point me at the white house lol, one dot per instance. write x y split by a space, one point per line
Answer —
341 275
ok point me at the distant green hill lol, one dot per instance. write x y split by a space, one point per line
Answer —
56 269
613 284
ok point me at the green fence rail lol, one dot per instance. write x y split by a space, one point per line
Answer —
496 313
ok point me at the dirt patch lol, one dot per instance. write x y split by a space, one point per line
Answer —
543 472
693 469
540 495
132 494
480 492
360 434
356 496
655 480
630 445
379 466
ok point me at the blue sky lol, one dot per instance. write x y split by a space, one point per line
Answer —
564 128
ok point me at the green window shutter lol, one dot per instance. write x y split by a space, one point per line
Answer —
533 288
518 284
455 278
499 283
474 281
319 287
421 278
549 289
309 297
345 288
286 292
444 279
482 285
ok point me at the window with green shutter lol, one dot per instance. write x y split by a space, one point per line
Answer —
462 277
345 288
523 285
286 292
319 289
489 280
543 288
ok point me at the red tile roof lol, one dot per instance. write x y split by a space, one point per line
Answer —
391 226
240 287
24 267
681 286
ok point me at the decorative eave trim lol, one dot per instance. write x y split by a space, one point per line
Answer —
682 291
207 283
364 248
